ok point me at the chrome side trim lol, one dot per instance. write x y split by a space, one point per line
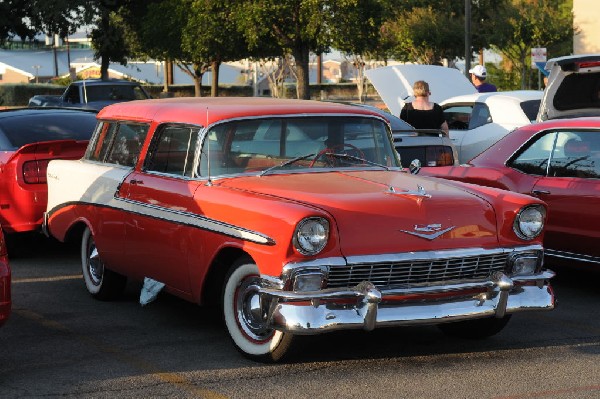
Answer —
572 256
194 220
173 216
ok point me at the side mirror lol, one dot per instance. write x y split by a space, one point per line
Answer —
415 166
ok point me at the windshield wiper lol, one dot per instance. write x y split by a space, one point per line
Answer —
286 163
359 159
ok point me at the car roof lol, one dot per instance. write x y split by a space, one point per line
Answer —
93 82
209 110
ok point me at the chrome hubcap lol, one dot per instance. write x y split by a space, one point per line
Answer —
95 265
251 312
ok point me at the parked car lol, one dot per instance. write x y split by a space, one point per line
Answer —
29 139
5 281
296 218
92 94
429 147
558 162
476 120
573 88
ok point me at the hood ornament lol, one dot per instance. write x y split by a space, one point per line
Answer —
428 232
419 193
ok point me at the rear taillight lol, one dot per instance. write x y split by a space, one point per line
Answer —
587 64
439 155
35 171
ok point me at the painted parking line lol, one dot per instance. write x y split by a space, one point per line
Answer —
141 364
46 279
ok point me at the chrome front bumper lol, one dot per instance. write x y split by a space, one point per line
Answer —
366 307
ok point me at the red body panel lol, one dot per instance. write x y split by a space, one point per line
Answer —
573 202
21 204
5 282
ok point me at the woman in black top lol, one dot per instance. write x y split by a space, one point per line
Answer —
422 113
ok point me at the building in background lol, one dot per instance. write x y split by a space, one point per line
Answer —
586 18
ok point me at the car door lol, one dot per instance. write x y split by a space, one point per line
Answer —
160 239
571 189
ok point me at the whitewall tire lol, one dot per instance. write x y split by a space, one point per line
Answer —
245 319
100 282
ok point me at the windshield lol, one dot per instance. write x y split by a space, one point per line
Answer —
309 142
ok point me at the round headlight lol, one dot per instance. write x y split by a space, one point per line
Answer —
530 222
311 236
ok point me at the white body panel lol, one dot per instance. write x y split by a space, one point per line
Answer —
91 183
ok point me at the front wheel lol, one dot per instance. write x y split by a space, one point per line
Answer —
100 282
245 316
475 329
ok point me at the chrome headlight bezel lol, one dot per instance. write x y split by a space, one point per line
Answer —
529 222
311 235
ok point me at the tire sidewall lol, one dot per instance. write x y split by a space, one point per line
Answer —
85 256
243 342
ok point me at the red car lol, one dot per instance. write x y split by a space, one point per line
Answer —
5 275
29 139
294 217
557 161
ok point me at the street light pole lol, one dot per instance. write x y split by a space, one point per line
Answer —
468 52
37 68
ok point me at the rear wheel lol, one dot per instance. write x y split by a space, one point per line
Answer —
101 283
475 329
245 318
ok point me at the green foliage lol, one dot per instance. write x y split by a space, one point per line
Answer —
529 24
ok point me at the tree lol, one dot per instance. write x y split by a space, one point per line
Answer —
356 32
211 35
529 24
13 20
281 27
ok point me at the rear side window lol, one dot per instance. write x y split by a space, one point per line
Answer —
531 108
32 128
117 143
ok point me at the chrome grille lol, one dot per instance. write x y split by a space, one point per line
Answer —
418 272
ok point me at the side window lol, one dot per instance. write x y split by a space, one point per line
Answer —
480 116
534 159
127 143
72 95
458 116
173 151
577 154
101 141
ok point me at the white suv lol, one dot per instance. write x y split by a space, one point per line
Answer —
573 87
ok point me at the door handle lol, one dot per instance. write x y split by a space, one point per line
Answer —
134 181
538 192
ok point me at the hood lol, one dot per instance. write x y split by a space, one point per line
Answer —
386 212
573 88
394 83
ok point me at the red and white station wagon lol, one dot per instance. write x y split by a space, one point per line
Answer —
294 217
